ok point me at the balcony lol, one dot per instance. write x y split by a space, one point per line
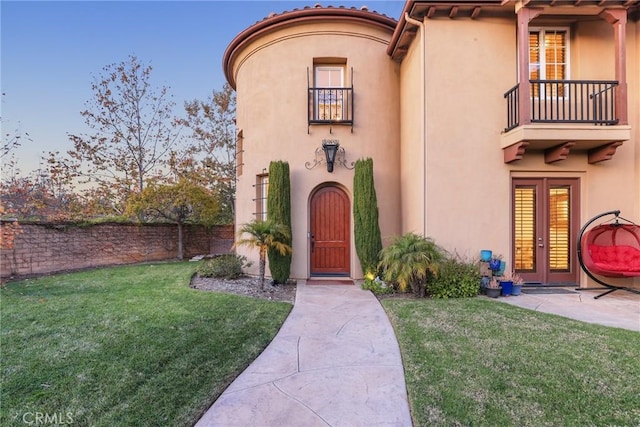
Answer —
330 106
559 116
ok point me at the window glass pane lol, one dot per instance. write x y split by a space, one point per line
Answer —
548 59
329 76
559 229
534 62
534 55
330 102
262 190
525 228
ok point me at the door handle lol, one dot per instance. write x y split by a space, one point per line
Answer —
313 242
540 243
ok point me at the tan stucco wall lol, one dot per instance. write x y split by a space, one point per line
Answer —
271 77
470 64
412 139
467 184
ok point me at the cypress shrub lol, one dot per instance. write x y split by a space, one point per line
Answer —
279 211
365 217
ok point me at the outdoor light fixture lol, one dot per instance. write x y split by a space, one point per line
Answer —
330 153
330 148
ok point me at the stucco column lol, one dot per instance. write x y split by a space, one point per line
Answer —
618 19
525 15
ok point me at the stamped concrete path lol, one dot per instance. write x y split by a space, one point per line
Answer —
334 362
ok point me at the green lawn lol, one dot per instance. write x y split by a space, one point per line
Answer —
136 346
125 346
475 362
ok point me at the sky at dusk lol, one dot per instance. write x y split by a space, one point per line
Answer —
52 50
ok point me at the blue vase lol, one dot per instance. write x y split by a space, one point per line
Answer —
485 255
494 264
517 289
507 287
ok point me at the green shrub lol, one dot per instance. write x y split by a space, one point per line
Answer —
366 229
224 266
377 286
457 278
279 211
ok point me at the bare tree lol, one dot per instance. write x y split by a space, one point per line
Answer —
213 153
11 140
134 129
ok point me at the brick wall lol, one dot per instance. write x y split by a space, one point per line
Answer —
46 248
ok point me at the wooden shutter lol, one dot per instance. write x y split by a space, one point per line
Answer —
525 227
559 229
534 61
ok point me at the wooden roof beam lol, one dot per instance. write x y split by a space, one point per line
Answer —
476 12
603 153
431 11
514 152
558 153
453 12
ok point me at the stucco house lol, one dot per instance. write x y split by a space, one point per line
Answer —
500 125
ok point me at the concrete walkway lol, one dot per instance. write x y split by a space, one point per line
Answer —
619 309
334 362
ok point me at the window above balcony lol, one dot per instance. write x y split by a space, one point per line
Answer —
330 98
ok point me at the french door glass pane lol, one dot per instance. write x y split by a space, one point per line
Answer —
559 229
548 60
525 228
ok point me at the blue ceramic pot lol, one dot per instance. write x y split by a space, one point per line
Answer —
503 266
485 255
494 264
517 289
507 287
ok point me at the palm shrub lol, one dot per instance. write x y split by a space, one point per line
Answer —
279 211
264 235
410 261
366 229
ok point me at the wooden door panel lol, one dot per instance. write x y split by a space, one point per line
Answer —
330 231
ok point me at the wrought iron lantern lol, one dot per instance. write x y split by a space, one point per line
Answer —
330 148
330 153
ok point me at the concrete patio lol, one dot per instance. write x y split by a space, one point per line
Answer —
620 309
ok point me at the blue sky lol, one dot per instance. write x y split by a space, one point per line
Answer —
51 51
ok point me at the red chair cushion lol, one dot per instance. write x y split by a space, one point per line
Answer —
620 258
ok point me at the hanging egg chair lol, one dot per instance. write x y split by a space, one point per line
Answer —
610 250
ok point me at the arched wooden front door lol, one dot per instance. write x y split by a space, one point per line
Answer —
330 231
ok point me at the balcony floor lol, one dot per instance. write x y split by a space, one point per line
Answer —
557 140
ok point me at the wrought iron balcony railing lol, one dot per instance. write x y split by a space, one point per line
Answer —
565 101
330 105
